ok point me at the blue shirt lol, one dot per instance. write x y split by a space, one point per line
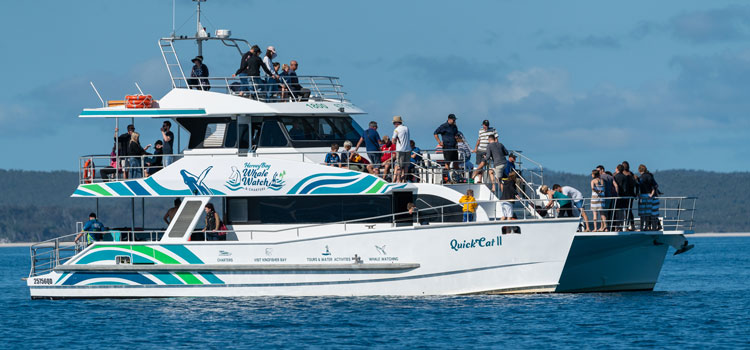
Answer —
449 132
372 139
93 225
333 158
508 167
418 157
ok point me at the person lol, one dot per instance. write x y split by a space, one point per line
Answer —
169 216
199 70
566 206
154 164
402 143
414 161
448 132
630 191
469 206
577 198
387 158
283 81
135 151
108 173
371 139
332 157
361 163
509 195
92 229
272 78
297 132
510 165
122 146
298 92
481 147
609 192
648 202
168 145
214 229
621 181
465 153
496 152
250 67
597 201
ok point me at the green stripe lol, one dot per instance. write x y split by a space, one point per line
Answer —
188 278
376 187
154 112
159 256
98 189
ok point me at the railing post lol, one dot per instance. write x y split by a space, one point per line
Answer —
57 252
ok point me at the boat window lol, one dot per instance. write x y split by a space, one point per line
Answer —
214 134
303 130
231 138
427 203
271 135
307 209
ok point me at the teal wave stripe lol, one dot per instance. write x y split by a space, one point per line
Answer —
303 181
163 191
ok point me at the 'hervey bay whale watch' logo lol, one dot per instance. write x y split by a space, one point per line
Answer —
255 177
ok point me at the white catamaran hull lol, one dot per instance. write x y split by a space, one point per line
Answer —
438 259
606 262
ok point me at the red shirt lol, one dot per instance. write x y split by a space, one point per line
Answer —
387 155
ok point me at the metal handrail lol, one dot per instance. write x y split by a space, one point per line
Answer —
321 88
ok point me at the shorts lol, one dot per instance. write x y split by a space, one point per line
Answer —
507 209
499 170
578 203
480 156
402 159
374 159
450 156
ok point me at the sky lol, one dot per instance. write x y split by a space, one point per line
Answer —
572 84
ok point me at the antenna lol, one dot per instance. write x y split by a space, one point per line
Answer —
174 32
97 93
199 28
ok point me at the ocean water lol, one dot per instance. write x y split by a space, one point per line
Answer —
702 300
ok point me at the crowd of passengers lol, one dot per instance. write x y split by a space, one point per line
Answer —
134 160
278 83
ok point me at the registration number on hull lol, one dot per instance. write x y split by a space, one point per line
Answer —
44 280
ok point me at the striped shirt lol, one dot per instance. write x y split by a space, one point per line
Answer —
483 138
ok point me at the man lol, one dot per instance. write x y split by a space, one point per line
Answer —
496 152
510 165
250 66
272 82
199 70
298 92
122 147
172 211
416 159
448 131
630 191
577 198
371 138
481 147
403 146
91 226
621 203
610 192
168 146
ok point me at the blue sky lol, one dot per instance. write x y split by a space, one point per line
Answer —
572 84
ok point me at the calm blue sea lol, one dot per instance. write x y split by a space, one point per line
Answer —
702 300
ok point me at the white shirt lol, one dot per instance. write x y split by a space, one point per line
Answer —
401 137
484 138
572 192
269 64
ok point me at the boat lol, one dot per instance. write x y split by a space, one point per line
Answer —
296 226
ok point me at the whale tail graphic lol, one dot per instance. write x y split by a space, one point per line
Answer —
195 183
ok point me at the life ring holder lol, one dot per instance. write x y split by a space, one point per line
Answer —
88 171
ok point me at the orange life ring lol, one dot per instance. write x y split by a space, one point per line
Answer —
88 171
138 101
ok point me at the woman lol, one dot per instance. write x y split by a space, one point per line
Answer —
214 224
135 151
387 149
597 203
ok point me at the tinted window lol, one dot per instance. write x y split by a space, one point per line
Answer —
426 204
322 128
271 135
307 209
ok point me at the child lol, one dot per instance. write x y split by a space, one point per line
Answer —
470 206
332 158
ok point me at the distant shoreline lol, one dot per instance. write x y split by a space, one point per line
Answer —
728 234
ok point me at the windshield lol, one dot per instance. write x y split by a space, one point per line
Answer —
322 128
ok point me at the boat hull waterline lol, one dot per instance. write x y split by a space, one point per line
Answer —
438 259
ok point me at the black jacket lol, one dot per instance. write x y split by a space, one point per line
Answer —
251 66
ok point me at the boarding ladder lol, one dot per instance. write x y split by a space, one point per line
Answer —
166 45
